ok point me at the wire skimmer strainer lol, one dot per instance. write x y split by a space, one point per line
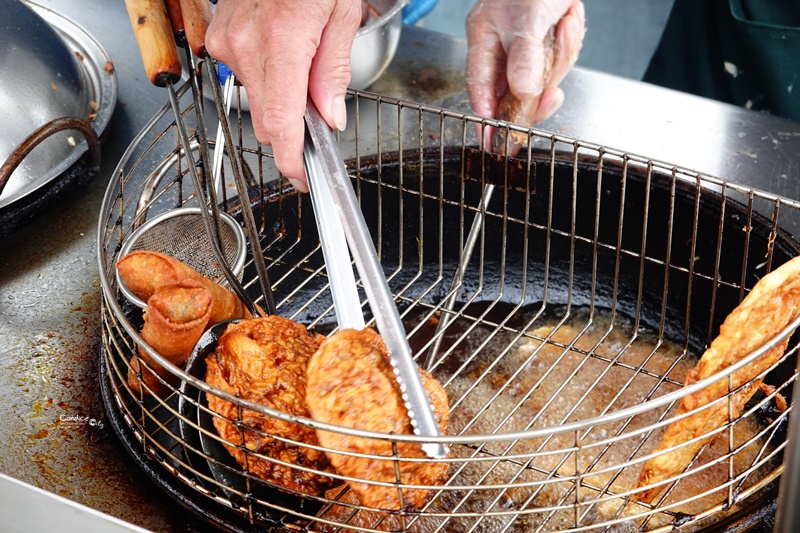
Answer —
180 233
596 279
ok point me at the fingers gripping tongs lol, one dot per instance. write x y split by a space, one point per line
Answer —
341 224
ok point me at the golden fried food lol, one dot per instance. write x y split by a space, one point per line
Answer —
773 303
347 510
174 319
144 271
172 323
264 360
350 382
152 383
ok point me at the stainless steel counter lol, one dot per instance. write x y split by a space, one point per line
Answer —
52 428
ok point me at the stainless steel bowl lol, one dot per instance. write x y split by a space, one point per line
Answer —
376 43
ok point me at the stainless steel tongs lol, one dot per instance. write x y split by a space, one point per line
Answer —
341 225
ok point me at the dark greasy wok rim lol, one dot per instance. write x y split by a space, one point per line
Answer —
755 516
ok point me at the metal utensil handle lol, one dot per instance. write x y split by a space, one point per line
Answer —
241 188
210 222
380 299
787 517
458 277
44 132
334 244
219 144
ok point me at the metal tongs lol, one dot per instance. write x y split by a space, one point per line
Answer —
341 225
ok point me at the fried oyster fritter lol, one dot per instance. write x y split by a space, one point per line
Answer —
351 383
772 305
264 360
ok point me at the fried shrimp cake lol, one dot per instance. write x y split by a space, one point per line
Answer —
773 304
351 383
264 360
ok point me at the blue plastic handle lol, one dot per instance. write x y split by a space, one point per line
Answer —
416 9
223 72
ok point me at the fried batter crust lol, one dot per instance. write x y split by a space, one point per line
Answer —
175 318
351 383
144 272
773 303
264 360
345 511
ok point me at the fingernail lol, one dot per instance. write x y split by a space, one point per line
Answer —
581 12
555 104
526 84
339 112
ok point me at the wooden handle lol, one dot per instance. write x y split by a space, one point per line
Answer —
175 16
196 18
153 33
511 109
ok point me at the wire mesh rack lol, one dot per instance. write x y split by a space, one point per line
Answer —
597 279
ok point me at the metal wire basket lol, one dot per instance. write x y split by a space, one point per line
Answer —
597 279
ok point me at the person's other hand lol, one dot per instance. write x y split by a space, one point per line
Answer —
506 52
282 51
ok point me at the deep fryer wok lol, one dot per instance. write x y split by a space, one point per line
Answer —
560 242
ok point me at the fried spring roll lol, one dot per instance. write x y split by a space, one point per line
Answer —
144 271
151 381
175 318
773 304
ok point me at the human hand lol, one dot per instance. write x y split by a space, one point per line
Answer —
284 51
506 52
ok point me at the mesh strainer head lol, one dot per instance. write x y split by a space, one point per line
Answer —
180 233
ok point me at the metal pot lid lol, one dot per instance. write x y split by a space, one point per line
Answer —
56 69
